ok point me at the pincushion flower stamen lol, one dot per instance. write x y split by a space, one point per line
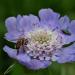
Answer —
39 42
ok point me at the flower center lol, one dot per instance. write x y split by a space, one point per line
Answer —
43 43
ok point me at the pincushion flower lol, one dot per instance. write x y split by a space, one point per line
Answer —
46 39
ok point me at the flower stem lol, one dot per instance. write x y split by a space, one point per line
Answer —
9 69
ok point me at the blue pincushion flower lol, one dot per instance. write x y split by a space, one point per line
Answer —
46 39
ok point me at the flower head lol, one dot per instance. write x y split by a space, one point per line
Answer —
45 39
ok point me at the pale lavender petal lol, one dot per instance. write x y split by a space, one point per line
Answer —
64 22
66 55
68 39
52 25
48 15
23 58
12 36
27 23
32 63
49 18
37 64
11 52
72 27
34 19
26 60
19 18
11 24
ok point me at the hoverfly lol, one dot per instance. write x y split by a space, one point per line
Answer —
21 43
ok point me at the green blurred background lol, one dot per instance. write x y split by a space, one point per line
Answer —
15 7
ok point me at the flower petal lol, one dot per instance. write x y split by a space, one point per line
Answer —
72 27
37 64
64 22
68 39
66 55
11 24
23 58
19 18
48 15
13 36
27 23
26 60
11 52
49 18
32 63
34 19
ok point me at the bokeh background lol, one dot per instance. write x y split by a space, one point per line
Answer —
15 7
